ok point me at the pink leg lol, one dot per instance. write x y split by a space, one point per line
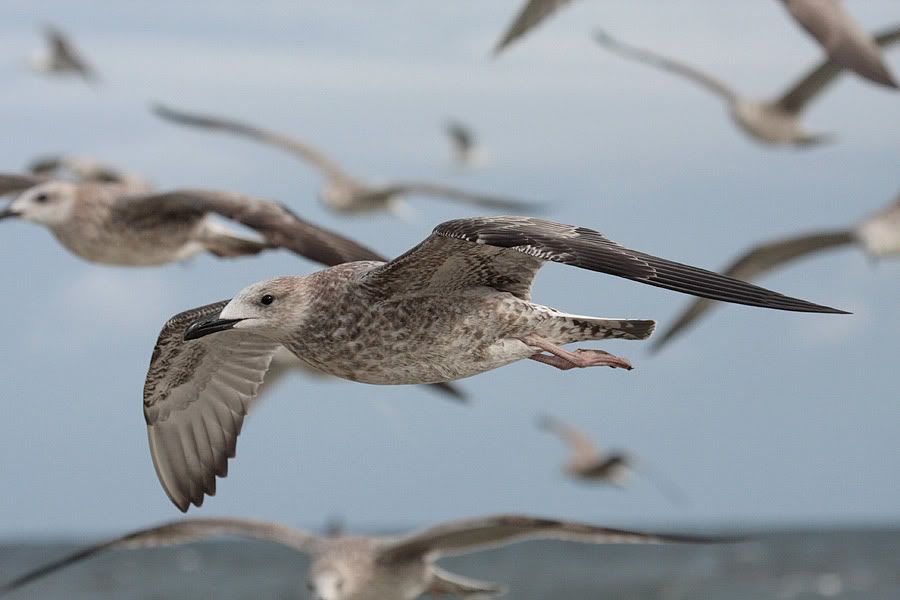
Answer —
564 360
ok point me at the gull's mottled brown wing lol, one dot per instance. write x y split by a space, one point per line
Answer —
195 398
665 63
532 14
757 261
842 38
436 190
176 532
812 83
506 252
276 223
294 146
472 535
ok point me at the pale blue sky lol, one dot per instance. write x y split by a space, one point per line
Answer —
760 416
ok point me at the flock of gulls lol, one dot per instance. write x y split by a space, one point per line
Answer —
455 305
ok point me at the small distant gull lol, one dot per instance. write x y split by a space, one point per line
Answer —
378 568
456 305
878 236
774 122
83 169
589 463
846 43
62 58
467 153
343 192
125 224
532 14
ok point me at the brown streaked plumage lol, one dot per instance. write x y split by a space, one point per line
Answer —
845 42
456 305
775 122
878 236
378 568
343 192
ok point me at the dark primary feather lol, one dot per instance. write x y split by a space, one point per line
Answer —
758 260
531 15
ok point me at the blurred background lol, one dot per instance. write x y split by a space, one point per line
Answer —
764 419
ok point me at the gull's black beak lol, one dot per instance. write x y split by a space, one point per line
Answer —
8 212
203 327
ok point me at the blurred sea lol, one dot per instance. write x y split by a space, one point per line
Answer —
844 564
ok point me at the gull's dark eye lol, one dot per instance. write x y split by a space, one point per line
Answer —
41 198
267 299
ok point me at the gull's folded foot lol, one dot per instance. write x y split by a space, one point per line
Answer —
582 358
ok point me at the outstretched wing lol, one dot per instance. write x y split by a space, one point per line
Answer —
65 53
195 397
436 190
582 446
757 261
843 39
659 61
816 80
531 15
505 253
176 532
275 222
471 535
445 583
294 146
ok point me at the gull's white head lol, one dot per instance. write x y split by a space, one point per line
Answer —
273 308
50 203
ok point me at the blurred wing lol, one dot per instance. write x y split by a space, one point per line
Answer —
505 253
445 583
275 222
195 397
11 183
845 42
471 535
420 188
604 467
304 151
531 15
461 137
176 532
582 446
659 61
757 261
65 52
816 80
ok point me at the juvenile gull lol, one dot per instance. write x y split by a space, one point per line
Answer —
589 463
843 39
456 305
343 192
378 568
532 14
774 122
62 58
466 151
124 224
878 236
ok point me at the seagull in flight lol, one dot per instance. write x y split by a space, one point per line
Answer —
345 193
62 58
878 236
456 305
846 43
467 153
397 567
775 122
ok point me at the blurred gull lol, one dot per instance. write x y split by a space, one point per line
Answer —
878 236
774 122
846 43
456 305
343 192
467 153
377 568
532 14
62 58
589 463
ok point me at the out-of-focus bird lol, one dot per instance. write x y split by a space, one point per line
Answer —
62 58
845 42
531 15
123 224
774 122
397 567
878 236
343 192
456 305
467 153
589 463
84 169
